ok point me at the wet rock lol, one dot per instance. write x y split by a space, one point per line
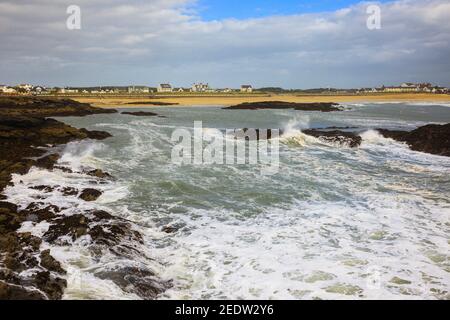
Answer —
42 188
52 286
63 169
257 134
100 215
36 213
138 280
90 194
73 227
112 234
96 135
50 263
99 174
69 191
314 106
345 138
434 139
141 114
18 106
169 229
16 292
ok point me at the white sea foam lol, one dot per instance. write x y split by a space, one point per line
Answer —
329 223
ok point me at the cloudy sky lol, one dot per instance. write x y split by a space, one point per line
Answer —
289 43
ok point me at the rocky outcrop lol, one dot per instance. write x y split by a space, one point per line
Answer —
90 194
434 139
141 114
257 134
24 106
21 252
313 106
350 139
20 138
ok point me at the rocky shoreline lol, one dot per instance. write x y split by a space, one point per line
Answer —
313 106
433 138
27 268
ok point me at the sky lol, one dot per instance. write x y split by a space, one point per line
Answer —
289 43
241 9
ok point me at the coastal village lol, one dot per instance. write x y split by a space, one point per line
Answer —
205 88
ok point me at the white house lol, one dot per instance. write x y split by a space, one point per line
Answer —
6 89
200 87
165 87
26 87
246 88
138 89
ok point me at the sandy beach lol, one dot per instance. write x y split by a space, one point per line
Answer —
237 99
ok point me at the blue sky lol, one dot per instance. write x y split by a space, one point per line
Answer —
243 9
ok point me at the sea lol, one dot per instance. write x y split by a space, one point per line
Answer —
334 222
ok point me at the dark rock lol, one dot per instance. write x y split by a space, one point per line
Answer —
34 212
100 215
96 135
257 134
63 169
45 189
138 280
169 229
69 191
313 106
90 194
50 263
73 226
434 139
52 286
113 233
141 114
45 107
99 174
17 292
345 138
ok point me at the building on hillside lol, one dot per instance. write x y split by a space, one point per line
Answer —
200 87
246 88
165 87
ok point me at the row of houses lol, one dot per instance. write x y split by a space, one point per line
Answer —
408 87
161 88
201 88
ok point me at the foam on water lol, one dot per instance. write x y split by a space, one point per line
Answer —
334 223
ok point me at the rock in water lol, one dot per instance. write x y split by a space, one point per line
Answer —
433 138
141 114
345 138
257 134
90 194
313 106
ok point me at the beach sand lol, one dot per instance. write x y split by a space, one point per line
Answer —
237 99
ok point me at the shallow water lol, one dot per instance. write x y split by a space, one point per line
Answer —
333 223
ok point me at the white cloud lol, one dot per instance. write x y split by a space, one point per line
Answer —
150 41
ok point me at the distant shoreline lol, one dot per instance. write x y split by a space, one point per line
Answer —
223 100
